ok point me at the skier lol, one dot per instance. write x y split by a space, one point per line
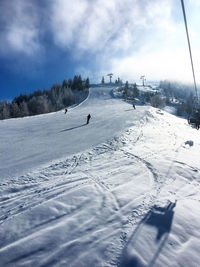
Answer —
88 118
65 110
134 106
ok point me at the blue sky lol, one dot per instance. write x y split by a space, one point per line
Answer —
46 41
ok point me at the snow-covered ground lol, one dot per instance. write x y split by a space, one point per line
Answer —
121 191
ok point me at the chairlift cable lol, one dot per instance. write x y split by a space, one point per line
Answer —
188 39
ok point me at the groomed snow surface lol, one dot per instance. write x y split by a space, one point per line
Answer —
122 191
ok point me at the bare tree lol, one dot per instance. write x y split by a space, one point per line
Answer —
157 101
24 109
15 110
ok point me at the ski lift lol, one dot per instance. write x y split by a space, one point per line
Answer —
143 79
196 106
110 76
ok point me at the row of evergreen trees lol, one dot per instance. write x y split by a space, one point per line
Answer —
130 91
171 93
44 101
118 81
180 95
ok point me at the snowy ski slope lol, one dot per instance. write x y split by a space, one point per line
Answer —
121 191
29 142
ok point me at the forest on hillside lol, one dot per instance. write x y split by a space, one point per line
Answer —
180 96
44 101
170 93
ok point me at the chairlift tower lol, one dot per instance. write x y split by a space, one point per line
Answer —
110 75
143 79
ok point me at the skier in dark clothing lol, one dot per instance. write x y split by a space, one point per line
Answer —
65 110
88 118
134 106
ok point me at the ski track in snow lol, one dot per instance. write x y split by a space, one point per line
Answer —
82 210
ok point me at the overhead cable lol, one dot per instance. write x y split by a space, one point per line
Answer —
188 39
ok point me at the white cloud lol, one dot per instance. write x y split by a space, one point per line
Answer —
67 17
109 28
92 25
128 37
148 41
195 2
19 28
158 65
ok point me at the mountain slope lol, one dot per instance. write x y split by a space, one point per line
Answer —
32 141
121 191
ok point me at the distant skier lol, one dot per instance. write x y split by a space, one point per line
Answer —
88 118
134 106
66 110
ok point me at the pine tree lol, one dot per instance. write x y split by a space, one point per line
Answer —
69 83
75 83
64 84
79 83
125 93
135 90
126 85
87 83
102 80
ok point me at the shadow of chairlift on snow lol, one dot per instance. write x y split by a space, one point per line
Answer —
159 217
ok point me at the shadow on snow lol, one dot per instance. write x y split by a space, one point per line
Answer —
158 217
129 109
72 128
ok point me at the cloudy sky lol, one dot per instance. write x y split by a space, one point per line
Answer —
45 41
